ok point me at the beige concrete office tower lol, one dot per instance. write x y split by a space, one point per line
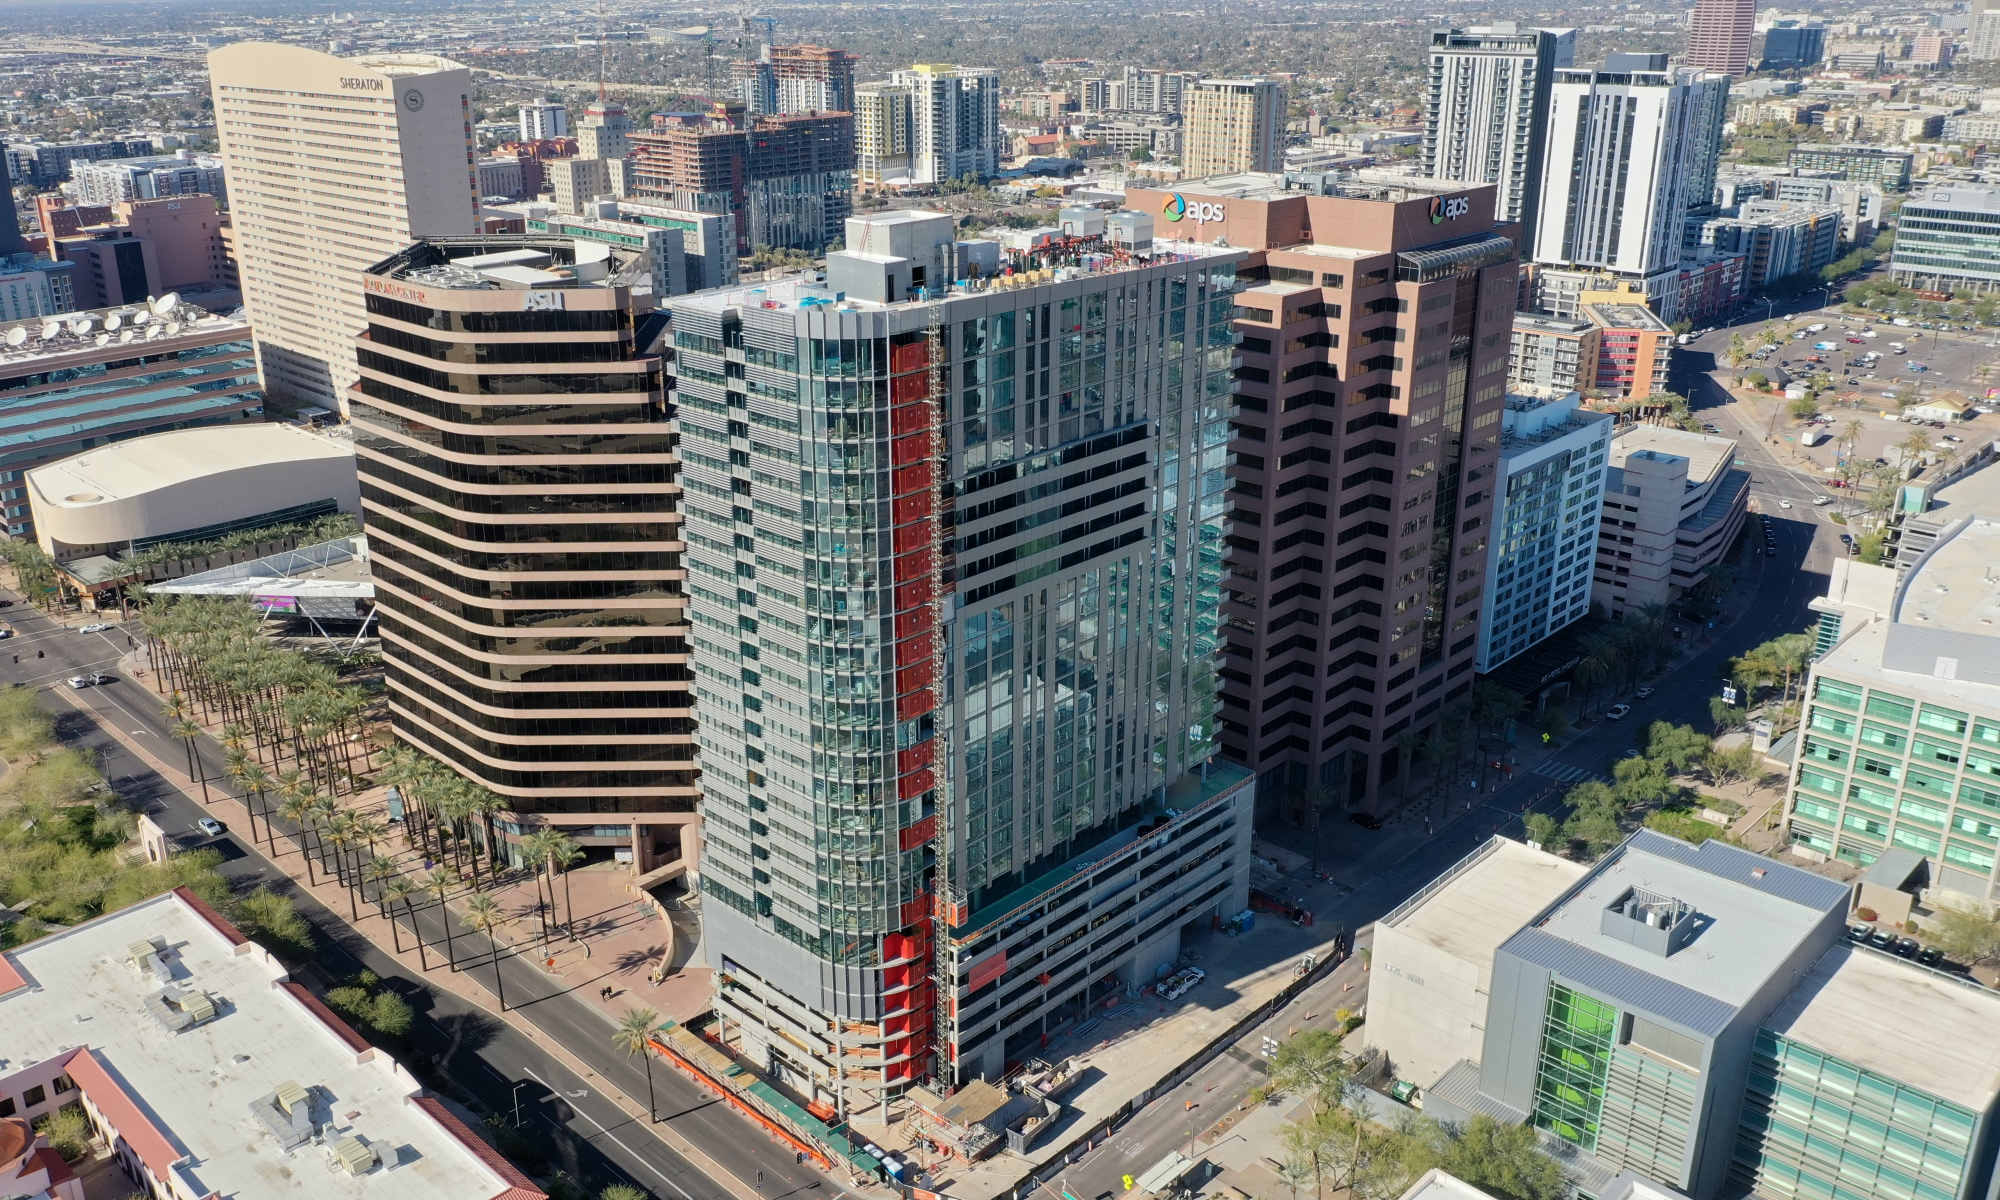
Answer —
333 164
1233 125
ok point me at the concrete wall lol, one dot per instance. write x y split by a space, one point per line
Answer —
1426 1007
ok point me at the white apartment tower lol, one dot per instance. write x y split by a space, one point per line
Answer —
1487 111
543 119
1627 143
333 165
954 115
1232 125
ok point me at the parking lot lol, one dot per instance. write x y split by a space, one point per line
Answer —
1934 367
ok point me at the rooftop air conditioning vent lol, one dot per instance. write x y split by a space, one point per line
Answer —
355 1156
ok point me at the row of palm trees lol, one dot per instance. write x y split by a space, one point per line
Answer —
210 653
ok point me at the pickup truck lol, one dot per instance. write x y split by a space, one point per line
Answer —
1823 345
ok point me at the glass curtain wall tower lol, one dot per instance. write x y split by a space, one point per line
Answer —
954 569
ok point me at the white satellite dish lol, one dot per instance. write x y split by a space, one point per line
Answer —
126 335
102 338
17 335
82 325
112 322
154 332
144 317
50 329
173 327
162 305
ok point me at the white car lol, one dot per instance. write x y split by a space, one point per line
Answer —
1822 501
1784 504
209 826
95 627
1618 712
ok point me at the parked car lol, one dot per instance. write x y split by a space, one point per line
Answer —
1931 956
1644 692
1618 712
1905 947
1858 932
1882 939
1855 341
209 826
6 631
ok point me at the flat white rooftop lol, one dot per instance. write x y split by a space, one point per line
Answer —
1707 456
142 465
184 1100
1884 1015
1469 914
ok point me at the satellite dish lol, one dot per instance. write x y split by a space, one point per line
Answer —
126 335
144 317
50 329
103 338
112 322
162 305
173 327
154 332
17 335
82 325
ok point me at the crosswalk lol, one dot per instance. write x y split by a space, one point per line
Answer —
1561 772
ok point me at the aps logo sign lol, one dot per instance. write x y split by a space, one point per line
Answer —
1448 208
1201 212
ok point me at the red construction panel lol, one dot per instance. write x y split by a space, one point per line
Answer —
914 705
917 564
914 621
920 648
921 590
912 447
916 478
911 417
905 388
915 784
917 533
912 355
916 835
916 677
986 970
917 756
913 508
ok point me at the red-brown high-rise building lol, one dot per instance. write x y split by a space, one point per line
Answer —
1374 345
1719 35
788 180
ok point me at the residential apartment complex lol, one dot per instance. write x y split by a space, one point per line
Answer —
1634 349
785 181
333 163
1673 503
543 119
1231 125
1550 355
795 79
956 676
531 586
1779 239
1900 748
931 123
1374 341
208 1072
109 181
1548 497
1632 146
1486 115
1882 165
61 392
1948 239
1694 1015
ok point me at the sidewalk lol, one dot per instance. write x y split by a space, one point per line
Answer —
466 983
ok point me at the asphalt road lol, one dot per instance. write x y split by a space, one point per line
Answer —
588 1135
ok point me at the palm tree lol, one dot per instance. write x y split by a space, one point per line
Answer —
564 853
483 913
535 847
186 729
439 884
395 889
378 871
634 1035
297 809
339 834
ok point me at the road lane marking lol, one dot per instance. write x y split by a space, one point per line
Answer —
641 1159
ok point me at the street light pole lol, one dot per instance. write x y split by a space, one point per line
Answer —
518 1085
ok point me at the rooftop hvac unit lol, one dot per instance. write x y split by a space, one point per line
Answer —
179 1009
287 1115
355 1156
291 1097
